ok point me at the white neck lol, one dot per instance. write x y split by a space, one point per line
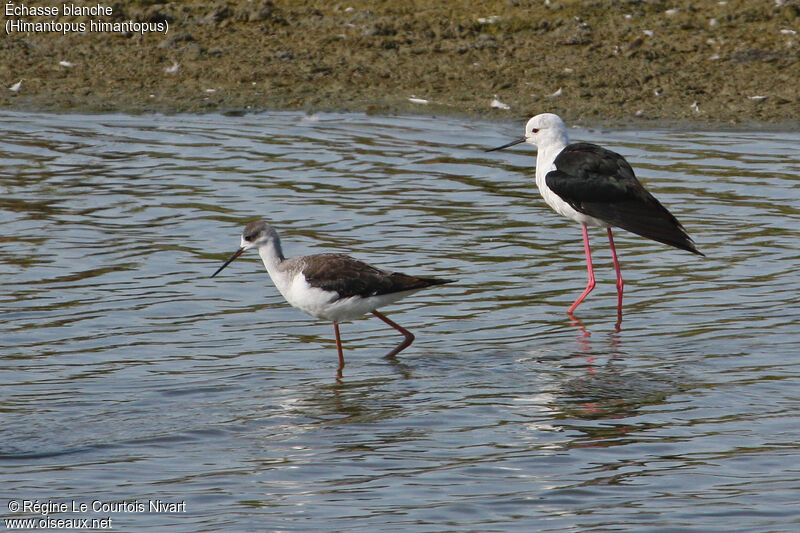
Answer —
545 157
548 150
272 255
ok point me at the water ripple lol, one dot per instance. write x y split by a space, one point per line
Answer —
129 373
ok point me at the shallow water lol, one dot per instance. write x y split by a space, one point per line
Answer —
127 375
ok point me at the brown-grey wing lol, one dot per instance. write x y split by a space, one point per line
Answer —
350 277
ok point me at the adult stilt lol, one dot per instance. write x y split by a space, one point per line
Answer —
592 185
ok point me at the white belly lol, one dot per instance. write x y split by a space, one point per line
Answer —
557 204
355 306
326 304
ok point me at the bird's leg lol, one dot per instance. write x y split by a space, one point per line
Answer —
409 337
339 345
590 285
620 283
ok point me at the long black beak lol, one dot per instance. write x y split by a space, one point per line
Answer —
236 254
512 143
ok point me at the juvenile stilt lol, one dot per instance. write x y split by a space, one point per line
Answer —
333 287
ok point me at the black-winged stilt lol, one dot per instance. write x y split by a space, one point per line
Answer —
595 186
333 287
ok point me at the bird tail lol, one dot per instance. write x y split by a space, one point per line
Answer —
658 224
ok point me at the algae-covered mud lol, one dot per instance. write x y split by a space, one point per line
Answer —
719 61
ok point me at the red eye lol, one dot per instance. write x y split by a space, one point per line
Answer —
535 130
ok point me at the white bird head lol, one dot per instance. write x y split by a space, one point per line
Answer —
544 129
541 130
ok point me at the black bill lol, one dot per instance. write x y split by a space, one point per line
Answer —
512 143
236 254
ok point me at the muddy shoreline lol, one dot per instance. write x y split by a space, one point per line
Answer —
724 63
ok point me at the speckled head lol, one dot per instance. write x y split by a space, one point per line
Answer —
256 234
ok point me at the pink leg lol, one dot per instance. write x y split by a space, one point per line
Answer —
409 337
339 345
620 283
590 285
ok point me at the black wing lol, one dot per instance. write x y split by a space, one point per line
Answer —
600 183
351 277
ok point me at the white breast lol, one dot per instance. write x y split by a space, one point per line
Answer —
327 305
544 164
